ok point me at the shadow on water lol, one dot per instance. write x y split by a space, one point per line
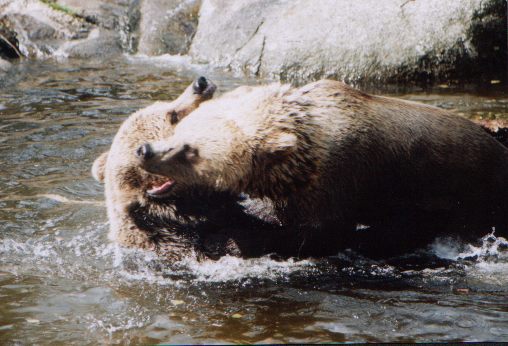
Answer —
62 282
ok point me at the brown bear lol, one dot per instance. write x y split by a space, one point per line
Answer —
332 157
151 212
126 186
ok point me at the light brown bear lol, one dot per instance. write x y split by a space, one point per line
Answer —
332 157
128 188
151 212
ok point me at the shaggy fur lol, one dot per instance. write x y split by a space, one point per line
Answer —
332 157
168 225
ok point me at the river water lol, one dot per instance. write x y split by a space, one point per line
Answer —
62 282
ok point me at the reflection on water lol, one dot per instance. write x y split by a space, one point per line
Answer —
62 282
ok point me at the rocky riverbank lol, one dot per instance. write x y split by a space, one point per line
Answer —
357 41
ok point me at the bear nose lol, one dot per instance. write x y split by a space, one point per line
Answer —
200 85
145 151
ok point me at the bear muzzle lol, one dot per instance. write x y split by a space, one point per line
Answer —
171 162
204 87
145 152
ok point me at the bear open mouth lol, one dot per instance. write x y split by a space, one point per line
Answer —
161 191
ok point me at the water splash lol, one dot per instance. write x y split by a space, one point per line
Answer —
228 268
181 62
485 263
62 281
98 258
490 248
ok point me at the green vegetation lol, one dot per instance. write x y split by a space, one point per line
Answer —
57 7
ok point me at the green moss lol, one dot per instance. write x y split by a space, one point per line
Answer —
57 7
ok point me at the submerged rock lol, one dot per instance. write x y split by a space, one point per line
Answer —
392 40
4 65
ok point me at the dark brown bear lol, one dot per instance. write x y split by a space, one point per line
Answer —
332 157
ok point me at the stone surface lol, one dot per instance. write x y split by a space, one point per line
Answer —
39 29
66 28
100 43
105 13
9 45
167 26
374 41
389 40
119 16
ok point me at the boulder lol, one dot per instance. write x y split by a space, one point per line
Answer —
119 17
368 40
167 26
66 28
39 29
99 43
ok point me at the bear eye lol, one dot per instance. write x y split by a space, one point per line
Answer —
174 117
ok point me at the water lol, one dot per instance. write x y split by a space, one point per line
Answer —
62 282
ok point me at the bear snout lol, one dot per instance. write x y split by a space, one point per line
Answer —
182 154
200 85
145 152
203 86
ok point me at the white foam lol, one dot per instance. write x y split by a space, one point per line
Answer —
230 268
489 248
88 254
486 262
447 248
165 60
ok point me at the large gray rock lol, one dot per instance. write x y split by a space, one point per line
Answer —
389 40
106 13
39 29
116 16
99 43
65 28
167 26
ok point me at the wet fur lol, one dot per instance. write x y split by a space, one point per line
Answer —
187 223
411 170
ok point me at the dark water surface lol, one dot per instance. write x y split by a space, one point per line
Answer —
62 282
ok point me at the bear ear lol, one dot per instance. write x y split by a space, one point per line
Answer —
282 143
99 167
